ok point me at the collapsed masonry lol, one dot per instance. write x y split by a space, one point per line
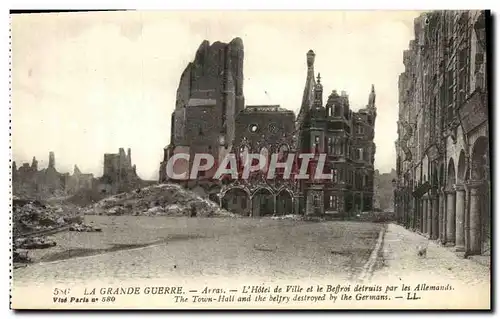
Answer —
119 175
28 181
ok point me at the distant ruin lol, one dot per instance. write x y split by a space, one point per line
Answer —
119 175
28 181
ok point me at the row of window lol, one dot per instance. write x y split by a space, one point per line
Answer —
350 177
336 110
339 147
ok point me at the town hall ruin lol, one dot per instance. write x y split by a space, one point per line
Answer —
211 117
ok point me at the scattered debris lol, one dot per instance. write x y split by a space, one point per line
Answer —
84 228
34 243
20 256
288 217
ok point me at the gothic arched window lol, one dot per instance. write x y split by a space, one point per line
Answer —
244 150
264 154
283 152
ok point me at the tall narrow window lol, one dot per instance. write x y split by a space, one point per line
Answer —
333 202
450 95
360 154
462 76
334 176
433 115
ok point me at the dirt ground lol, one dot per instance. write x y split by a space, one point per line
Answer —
185 246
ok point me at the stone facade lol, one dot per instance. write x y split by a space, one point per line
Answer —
443 185
346 138
209 96
210 117
264 129
119 175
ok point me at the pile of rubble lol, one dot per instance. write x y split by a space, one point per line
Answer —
30 216
34 219
158 200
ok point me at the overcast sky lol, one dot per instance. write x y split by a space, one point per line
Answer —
85 84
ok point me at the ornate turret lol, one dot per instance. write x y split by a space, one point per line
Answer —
371 99
310 58
308 95
318 93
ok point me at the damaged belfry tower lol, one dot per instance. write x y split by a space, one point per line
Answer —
209 96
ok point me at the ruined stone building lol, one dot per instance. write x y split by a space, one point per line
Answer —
119 175
77 181
210 117
31 182
443 166
209 96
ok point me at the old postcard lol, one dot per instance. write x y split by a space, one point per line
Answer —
251 160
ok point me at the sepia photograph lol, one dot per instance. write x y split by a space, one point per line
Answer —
251 159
